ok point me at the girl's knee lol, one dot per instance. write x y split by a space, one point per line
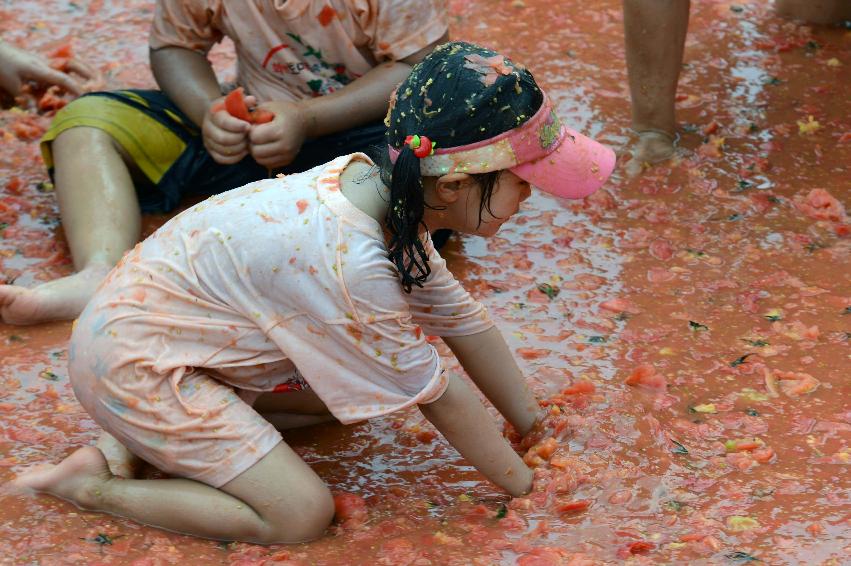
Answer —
306 522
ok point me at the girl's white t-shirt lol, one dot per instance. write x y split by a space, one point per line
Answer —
283 273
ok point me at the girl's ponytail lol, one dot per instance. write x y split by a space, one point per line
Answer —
404 218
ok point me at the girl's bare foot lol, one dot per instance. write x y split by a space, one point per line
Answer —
79 478
122 462
62 299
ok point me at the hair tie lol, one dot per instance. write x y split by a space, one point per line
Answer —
421 145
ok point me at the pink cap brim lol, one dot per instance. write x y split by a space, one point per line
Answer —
575 169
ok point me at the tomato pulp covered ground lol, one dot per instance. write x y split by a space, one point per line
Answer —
689 330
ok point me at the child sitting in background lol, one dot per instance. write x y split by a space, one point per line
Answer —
324 68
322 286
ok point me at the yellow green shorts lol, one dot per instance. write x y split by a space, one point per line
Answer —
167 146
152 144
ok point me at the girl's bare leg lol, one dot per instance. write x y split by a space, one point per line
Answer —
101 219
278 500
655 33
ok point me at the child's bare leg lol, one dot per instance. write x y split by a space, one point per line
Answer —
122 462
101 219
815 11
278 500
655 32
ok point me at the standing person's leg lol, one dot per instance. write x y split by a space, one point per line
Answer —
815 11
655 32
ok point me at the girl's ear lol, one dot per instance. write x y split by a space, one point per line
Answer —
448 188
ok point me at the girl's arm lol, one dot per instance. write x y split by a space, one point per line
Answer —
488 361
463 420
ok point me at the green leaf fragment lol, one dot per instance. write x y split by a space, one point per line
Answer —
101 539
550 291
740 556
673 505
696 326
740 360
502 511
773 315
597 339
757 343
678 448
744 185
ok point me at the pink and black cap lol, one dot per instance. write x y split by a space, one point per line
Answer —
539 149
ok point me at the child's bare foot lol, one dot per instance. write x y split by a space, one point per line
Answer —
62 299
652 147
78 478
122 462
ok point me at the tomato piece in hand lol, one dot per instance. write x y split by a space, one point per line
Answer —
235 105
261 116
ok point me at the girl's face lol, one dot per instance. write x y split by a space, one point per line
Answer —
508 192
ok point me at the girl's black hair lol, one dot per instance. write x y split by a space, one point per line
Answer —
459 94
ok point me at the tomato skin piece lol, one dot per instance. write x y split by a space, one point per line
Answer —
641 547
235 105
745 446
426 436
532 353
350 509
261 116
14 185
645 376
573 506
579 388
63 51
